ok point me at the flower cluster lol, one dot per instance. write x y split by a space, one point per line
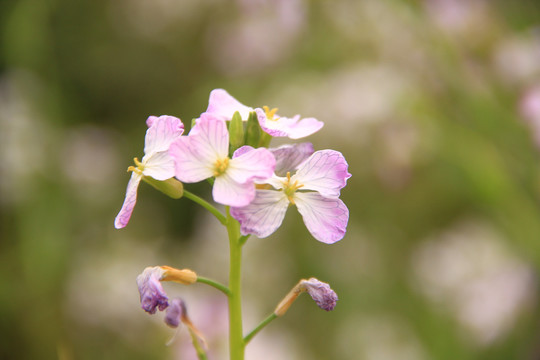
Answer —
228 144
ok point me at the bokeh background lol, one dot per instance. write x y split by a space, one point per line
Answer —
435 104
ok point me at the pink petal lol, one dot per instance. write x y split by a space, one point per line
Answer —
159 165
124 215
289 157
264 215
161 133
294 128
250 164
223 106
226 191
325 171
326 219
195 155
304 127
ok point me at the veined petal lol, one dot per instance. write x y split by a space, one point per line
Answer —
325 171
251 164
326 219
161 133
195 155
304 127
209 139
159 165
227 191
294 128
222 105
289 157
124 215
189 166
276 128
263 215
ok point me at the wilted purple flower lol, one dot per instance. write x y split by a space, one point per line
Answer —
314 189
152 294
222 105
205 154
156 162
175 312
321 293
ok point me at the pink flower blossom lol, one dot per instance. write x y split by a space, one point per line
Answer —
222 106
290 157
314 189
156 162
204 154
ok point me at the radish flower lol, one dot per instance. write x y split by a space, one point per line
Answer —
222 106
314 189
205 154
156 162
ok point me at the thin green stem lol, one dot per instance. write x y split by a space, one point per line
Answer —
215 284
236 337
243 239
222 219
201 354
259 327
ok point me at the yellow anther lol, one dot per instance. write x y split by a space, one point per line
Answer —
270 114
289 189
220 166
138 169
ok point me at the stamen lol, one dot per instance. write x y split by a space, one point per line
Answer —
138 169
289 189
270 114
220 166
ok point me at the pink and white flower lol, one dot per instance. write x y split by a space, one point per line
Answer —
156 162
205 154
314 189
222 106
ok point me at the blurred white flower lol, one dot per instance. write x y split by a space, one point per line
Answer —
517 58
262 36
469 271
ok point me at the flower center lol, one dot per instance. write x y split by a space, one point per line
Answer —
290 188
138 169
270 114
220 166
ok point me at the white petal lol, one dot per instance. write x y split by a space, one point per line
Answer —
264 215
326 219
159 165
189 166
325 171
161 133
290 156
124 215
226 191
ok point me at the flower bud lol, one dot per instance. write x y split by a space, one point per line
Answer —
236 131
253 131
170 187
184 276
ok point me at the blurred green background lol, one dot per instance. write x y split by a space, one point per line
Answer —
435 104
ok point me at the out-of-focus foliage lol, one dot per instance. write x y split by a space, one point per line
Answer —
434 103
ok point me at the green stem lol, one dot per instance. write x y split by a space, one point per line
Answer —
236 337
243 239
259 327
215 284
201 354
222 219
